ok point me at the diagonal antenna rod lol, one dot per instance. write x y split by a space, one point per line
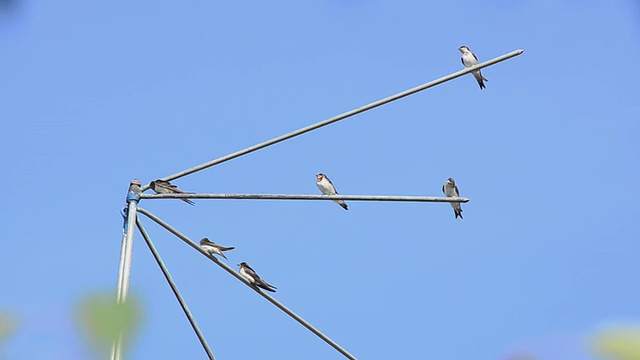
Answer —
309 197
341 116
235 274
174 288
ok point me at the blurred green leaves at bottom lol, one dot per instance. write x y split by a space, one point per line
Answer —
8 325
103 321
618 343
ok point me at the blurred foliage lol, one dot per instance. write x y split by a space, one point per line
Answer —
8 325
619 343
104 320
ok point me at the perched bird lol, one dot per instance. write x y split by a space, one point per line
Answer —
468 60
213 248
248 273
165 187
326 186
451 190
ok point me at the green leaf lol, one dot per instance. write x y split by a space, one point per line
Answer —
620 343
104 321
8 325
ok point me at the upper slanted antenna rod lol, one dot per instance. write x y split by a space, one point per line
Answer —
341 116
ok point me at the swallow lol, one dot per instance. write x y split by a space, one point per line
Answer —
248 273
468 60
451 190
213 248
326 187
165 187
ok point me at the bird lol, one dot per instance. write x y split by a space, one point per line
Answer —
468 60
213 248
248 273
165 187
451 190
326 187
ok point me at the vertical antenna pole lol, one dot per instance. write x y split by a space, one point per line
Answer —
126 251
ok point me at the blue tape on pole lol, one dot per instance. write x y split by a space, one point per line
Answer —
131 196
125 225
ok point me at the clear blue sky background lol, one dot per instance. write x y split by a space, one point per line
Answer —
96 93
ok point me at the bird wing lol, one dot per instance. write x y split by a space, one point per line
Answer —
218 246
251 272
333 186
169 186
165 185
265 285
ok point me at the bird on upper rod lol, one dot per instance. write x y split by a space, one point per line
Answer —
326 187
468 60
165 187
213 248
248 273
450 189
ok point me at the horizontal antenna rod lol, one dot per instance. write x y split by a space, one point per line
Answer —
309 197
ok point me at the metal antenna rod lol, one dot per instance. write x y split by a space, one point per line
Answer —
342 116
309 197
226 267
126 252
124 272
174 288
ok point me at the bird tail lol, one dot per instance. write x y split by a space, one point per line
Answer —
265 285
480 79
458 212
227 248
344 205
481 82
189 201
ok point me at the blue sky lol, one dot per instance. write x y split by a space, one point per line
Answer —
95 94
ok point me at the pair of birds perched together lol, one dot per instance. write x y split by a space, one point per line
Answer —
322 181
450 189
245 270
